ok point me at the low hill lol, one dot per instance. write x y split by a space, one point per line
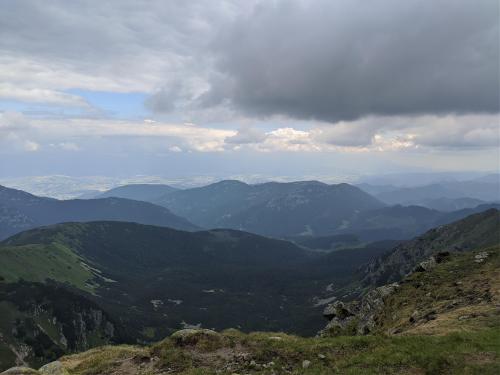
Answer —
273 209
401 222
20 211
451 204
485 189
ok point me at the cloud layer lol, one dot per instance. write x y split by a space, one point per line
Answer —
257 76
344 59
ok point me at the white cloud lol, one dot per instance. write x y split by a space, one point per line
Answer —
247 135
13 122
386 134
31 146
38 95
69 146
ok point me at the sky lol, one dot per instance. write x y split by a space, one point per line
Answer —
271 88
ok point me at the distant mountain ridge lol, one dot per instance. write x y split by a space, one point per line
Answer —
402 222
273 209
20 211
443 195
140 192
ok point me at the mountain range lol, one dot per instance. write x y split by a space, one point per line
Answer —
20 211
307 208
274 209
446 195
299 211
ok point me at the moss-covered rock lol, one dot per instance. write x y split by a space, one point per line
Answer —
202 338
20 371
53 368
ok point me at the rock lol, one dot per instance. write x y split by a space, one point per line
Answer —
53 368
204 339
395 331
306 363
414 316
276 338
191 336
441 256
321 356
481 257
426 265
339 310
357 315
431 315
20 371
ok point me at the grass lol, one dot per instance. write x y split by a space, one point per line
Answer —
40 262
265 353
461 293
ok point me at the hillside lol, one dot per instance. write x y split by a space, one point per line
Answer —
139 192
447 293
151 281
20 211
478 230
273 209
442 320
41 322
131 283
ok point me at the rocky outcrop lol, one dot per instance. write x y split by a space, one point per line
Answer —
357 317
442 294
361 317
53 368
192 336
49 322
474 232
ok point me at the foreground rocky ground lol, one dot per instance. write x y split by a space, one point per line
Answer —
231 352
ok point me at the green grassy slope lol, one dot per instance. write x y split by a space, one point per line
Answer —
39 262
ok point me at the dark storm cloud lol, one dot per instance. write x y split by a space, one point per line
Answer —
342 60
